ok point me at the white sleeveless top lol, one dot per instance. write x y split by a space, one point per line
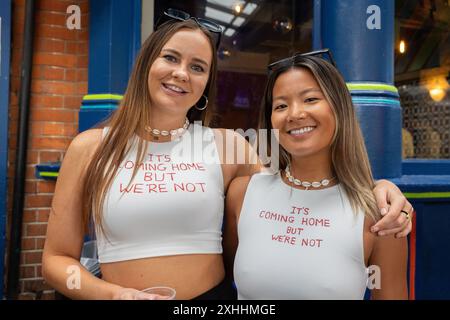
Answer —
173 206
298 244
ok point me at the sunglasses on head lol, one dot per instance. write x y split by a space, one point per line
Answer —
286 62
174 14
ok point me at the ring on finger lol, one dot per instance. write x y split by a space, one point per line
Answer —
408 215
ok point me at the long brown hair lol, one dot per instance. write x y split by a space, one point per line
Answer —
130 119
349 157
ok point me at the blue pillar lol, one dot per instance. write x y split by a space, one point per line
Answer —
114 40
5 38
360 35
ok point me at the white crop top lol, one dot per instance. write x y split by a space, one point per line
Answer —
298 244
173 206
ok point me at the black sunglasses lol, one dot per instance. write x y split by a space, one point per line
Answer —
174 14
296 57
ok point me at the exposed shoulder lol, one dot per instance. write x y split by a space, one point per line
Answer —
368 223
238 187
235 196
71 173
391 243
369 238
389 250
390 254
88 139
85 144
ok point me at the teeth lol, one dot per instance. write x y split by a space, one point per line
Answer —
174 88
302 130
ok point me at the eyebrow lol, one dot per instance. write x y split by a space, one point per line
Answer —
179 54
300 93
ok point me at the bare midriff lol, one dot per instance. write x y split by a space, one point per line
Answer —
190 275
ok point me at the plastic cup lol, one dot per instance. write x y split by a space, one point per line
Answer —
161 293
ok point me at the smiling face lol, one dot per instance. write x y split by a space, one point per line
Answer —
302 114
178 77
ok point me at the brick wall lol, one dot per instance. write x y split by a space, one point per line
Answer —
59 81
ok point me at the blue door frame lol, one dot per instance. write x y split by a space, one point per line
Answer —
114 42
5 43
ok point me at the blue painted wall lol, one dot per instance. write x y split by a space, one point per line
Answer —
432 279
5 36
430 167
114 40
381 127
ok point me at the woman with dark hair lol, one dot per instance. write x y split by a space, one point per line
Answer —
304 232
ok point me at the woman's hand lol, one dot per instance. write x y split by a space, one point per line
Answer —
395 208
133 294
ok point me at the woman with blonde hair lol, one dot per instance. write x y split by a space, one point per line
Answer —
157 212
304 232
152 227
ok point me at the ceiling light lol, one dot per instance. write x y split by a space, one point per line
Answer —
249 8
437 94
218 15
229 32
238 22
237 8
223 3
402 47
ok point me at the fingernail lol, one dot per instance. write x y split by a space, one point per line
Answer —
383 211
374 229
381 233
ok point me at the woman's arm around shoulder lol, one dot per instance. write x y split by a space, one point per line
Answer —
389 257
233 206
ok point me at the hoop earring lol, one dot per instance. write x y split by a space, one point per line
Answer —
204 107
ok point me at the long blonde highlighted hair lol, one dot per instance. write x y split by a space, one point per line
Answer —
130 119
349 157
